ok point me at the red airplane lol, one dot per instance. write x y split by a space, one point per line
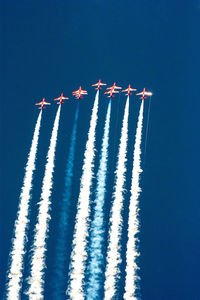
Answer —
78 94
111 92
129 90
60 99
98 84
114 87
144 93
42 103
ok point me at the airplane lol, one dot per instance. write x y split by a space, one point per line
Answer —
60 99
114 87
129 90
98 84
111 92
78 94
144 93
42 103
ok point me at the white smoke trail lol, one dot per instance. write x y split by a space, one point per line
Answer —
36 280
16 255
113 253
131 281
79 254
97 226
61 247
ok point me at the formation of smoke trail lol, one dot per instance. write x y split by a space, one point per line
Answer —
36 280
113 253
79 254
61 247
133 221
16 255
97 226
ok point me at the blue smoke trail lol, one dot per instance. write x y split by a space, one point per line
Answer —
97 226
61 247
75 289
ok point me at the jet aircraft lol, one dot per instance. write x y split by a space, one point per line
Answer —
114 87
42 103
98 85
61 98
144 93
78 94
111 90
129 90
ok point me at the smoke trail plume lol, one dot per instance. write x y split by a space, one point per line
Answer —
16 256
79 254
61 247
131 281
36 280
97 226
113 253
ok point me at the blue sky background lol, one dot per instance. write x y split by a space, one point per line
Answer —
49 47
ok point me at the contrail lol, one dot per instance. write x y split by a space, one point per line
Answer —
36 280
131 281
61 247
79 254
97 226
113 252
16 256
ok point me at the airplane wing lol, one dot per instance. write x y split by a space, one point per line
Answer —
103 84
65 98
132 89
125 90
140 93
47 103
95 84
57 98
109 92
118 87
148 93
115 91
40 103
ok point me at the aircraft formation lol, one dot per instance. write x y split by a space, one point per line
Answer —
87 251
78 94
